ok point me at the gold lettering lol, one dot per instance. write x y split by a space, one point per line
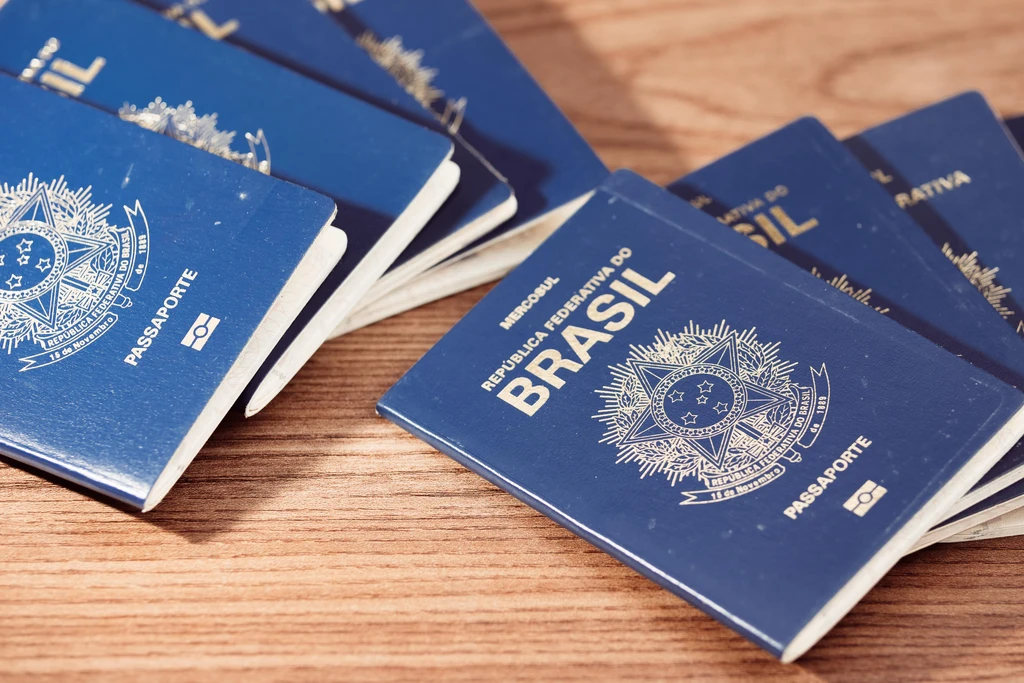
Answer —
748 230
628 292
557 363
881 176
210 28
573 334
652 287
527 391
790 225
622 308
77 73
769 228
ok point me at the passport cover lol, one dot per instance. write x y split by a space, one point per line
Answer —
105 275
800 193
447 54
121 57
954 170
293 33
766 457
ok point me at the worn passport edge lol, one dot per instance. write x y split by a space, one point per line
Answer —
329 246
440 251
979 494
846 597
1007 524
316 264
464 272
904 541
346 297
558 215
942 533
1011 477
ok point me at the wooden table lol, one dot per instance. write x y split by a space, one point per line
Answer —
317 541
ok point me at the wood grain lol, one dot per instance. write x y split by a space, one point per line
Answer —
318 542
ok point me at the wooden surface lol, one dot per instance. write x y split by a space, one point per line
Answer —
318 542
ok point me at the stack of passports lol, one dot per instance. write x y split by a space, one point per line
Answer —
406 158
759 386
764 384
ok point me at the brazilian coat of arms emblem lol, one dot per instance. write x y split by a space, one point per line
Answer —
202 132
712 409
64 268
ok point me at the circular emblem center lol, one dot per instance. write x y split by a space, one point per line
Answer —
33 257
698 401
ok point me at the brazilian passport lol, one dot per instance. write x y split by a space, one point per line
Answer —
386 175
729 425
448 55
801 194
954 170
130 316
293 33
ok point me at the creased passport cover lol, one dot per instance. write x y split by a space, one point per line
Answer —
293 33
116 55
133 272
472 81
735 429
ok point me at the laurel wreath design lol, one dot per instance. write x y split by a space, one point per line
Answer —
625 401
183 124
74 212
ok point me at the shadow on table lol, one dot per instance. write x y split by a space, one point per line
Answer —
908 621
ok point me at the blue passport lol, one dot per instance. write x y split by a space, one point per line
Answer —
450 58
800 193
130 317
732 427
386 175
295 34
952 168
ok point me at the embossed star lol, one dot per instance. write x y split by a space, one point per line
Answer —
713 448
676 396
2 257
43 307
44 265
701 400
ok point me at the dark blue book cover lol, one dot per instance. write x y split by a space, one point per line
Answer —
954 170
295 34
737 430
130 315
800 193
1015 125
454 63
386 175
